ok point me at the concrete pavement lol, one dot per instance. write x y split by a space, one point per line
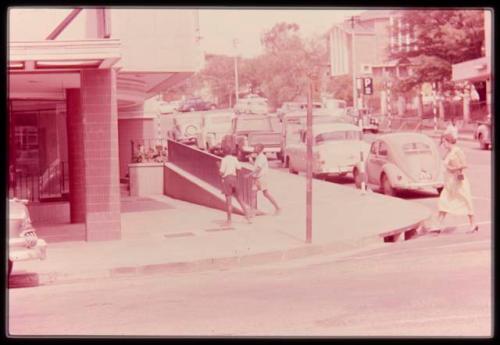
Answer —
183 237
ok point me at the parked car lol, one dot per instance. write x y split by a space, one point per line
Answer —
364 119
402 161
196 104
169 107
483 134
250 130
24 243
252 105
336 150
214 126
294 122
186 128
290 107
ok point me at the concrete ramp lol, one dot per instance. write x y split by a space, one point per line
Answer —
182 185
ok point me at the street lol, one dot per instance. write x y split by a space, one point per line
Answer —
437 286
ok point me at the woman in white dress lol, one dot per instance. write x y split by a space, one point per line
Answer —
456 196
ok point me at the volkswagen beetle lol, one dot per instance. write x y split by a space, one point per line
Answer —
402 161
24 243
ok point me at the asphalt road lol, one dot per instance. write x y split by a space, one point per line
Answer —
438 286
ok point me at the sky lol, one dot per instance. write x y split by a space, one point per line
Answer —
218 27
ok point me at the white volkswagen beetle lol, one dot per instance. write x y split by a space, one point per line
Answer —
24 244
402 161
337 149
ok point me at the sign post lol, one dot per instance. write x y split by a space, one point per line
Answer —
309 163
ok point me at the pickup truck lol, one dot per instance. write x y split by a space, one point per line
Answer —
483 134
250 130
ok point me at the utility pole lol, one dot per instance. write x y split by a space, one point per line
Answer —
353 52
236 90
309 142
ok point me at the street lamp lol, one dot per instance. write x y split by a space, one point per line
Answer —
353 51
236 91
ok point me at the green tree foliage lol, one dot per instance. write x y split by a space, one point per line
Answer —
288 61
219 75
340 87
443 38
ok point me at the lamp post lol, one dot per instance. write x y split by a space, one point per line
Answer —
236 91
353 52
309 161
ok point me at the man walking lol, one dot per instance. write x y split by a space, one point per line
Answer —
260 170
228 169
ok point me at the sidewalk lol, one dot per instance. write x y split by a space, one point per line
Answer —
183 237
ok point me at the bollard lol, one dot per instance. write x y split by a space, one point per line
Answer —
362 174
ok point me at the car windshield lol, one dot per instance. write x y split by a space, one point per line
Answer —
337 136
255 124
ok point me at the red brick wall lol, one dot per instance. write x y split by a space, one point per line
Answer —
100 140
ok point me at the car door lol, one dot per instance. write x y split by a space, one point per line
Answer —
371 163
380 160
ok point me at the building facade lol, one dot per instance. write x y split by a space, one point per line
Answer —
77 98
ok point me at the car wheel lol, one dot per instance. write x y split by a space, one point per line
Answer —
386 186
439 190
279 156
357 178
482 144
290 169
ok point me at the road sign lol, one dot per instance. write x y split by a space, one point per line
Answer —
339 63
368 86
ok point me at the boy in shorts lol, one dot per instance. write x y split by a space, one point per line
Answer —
260 170
227 169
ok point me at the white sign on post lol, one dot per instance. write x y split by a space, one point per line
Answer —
339 64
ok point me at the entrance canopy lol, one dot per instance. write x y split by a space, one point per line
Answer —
44 69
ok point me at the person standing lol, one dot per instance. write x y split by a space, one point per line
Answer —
228 168
259 173
451 129
456 196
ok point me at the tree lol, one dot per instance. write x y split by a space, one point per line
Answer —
442 38
219 75
288 61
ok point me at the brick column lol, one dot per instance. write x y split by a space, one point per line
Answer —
100 139
76 162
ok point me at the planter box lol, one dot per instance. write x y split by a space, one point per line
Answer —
146 179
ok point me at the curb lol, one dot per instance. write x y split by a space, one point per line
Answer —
208 264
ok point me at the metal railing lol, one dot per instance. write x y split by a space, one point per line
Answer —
52 184
204 166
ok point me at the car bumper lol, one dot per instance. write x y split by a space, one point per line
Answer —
338 170
418 185
250 149
19 252
188 141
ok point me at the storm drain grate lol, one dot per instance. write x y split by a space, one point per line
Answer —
179 234
220 229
